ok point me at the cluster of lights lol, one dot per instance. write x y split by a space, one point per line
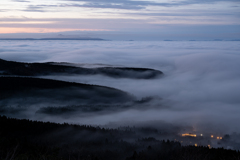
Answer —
217 137
189 134
194 135
209 146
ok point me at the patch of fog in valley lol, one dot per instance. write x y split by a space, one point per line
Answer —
200 87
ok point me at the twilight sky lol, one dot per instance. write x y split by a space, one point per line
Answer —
122 19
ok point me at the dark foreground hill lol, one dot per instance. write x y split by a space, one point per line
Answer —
26 139
40 69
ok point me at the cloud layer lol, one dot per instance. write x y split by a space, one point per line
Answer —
121 4
126 15
200 87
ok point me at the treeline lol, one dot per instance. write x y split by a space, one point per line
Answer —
26 139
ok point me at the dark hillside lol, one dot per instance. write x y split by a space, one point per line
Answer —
24 91
40 69
26 139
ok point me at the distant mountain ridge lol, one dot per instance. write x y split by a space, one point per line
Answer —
64 38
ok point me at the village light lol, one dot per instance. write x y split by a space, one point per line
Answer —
189 134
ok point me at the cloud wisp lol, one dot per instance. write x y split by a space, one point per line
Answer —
126 15
116 4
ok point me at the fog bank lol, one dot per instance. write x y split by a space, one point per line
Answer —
200 86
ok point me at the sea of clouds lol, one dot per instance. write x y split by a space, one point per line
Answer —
200 86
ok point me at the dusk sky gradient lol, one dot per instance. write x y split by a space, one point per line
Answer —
116 19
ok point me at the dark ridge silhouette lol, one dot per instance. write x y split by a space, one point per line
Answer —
127 72
25 88
26 139
22 83
38 69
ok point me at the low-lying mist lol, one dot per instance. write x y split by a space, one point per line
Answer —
200 87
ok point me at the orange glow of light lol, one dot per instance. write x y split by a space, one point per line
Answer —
41 30
220 137
196 145
212 136
189 134
209 146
